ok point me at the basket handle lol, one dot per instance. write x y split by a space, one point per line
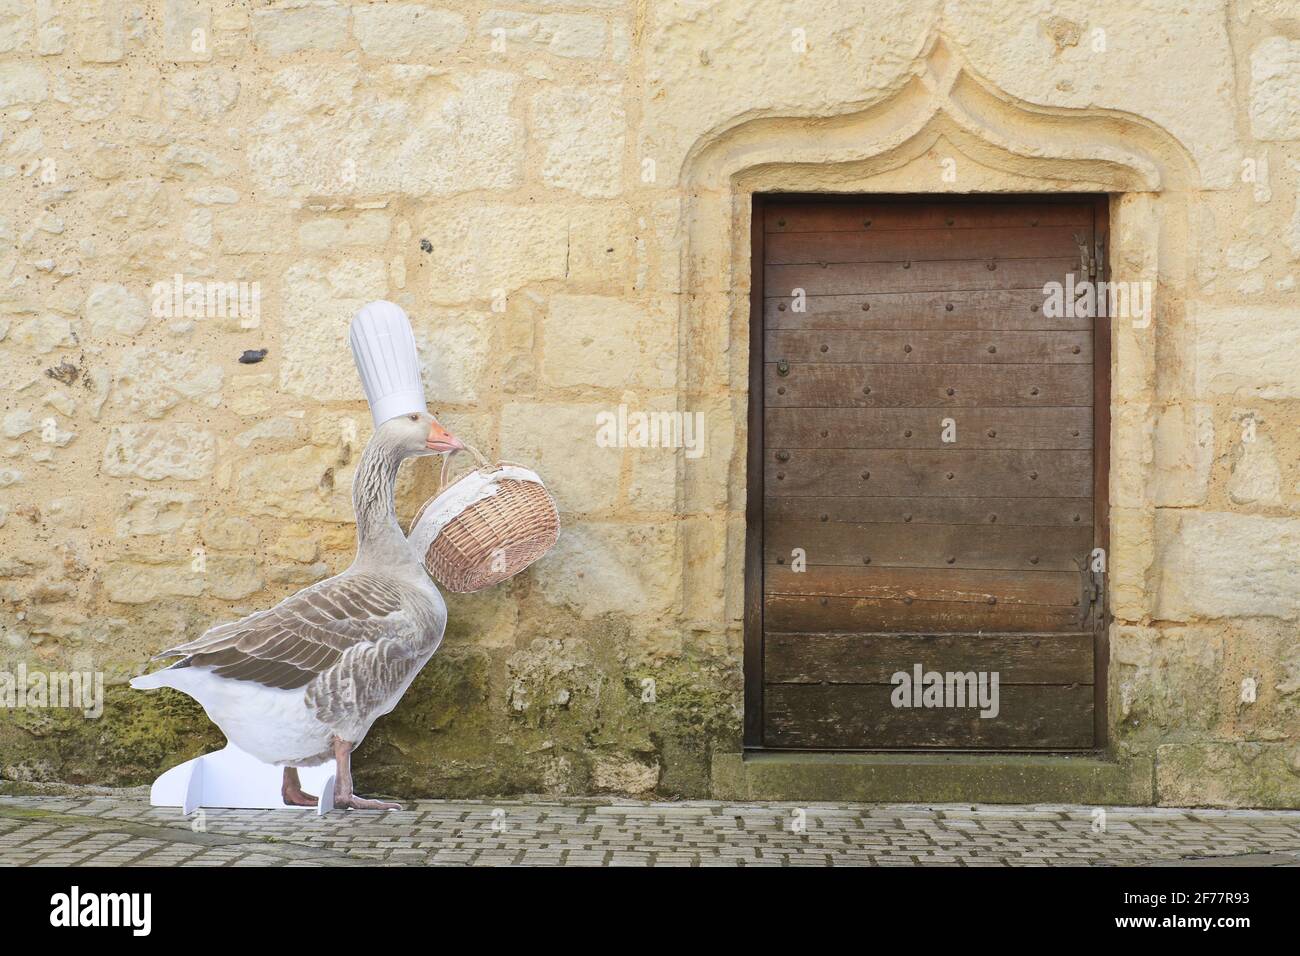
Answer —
446 465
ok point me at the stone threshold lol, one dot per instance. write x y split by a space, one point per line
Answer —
933 778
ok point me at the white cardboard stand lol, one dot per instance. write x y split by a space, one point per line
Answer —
235 780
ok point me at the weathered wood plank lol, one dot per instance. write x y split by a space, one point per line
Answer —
1047 513
916 276
860 716
1029 473
1003 309
946 347
1062 428
971 586
800 612
865 658
872 245
902 385
995 547
801 216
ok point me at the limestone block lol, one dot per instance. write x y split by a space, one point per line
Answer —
549 677
253 395
1275 89
240 231
308 482
1184 453
605 342
620 774
214 196
400 30
17 423
232 577
311 25
136 205
22 83
424 133
308 87
1261 680
562 34
582 128
1291 232
150 383
605 4
156 512
1256 473
320 300
600 244
1246 351
101 31
16 25
42 334
1166 680
558 441
66 512
1228 774
131 582
1280 12
272 431
298 575
1221 564
204 94
1098 73
370 228
1133 452
162 450
653 482
297 543
187 30
1132 557
454 349
197 230
600 568
229 533
712 474
51 37
483 251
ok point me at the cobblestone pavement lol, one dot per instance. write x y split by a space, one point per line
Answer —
112 828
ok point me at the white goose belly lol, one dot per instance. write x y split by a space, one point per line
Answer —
273 725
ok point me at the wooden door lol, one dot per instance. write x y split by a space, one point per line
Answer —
927 473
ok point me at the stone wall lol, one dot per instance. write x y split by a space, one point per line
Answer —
557 193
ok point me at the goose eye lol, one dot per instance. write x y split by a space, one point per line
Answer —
415 418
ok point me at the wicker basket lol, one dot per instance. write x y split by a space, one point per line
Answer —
504 520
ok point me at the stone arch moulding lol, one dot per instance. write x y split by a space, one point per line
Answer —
1017 147
942 94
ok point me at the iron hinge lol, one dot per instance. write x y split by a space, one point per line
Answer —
1093 603
1087 263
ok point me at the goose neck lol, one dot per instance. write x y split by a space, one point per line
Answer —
379 536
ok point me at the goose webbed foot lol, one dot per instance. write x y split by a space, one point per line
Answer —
292 792
343 794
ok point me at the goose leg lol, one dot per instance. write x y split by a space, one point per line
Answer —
343 795
291 790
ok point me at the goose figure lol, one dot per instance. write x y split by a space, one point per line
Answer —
304 681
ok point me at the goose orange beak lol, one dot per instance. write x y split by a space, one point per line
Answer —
440 440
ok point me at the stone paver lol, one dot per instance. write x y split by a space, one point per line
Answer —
119 828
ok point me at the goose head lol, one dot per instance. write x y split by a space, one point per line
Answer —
418 433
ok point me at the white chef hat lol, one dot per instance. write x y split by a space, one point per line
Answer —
384 348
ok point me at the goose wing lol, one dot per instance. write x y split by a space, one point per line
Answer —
351 631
